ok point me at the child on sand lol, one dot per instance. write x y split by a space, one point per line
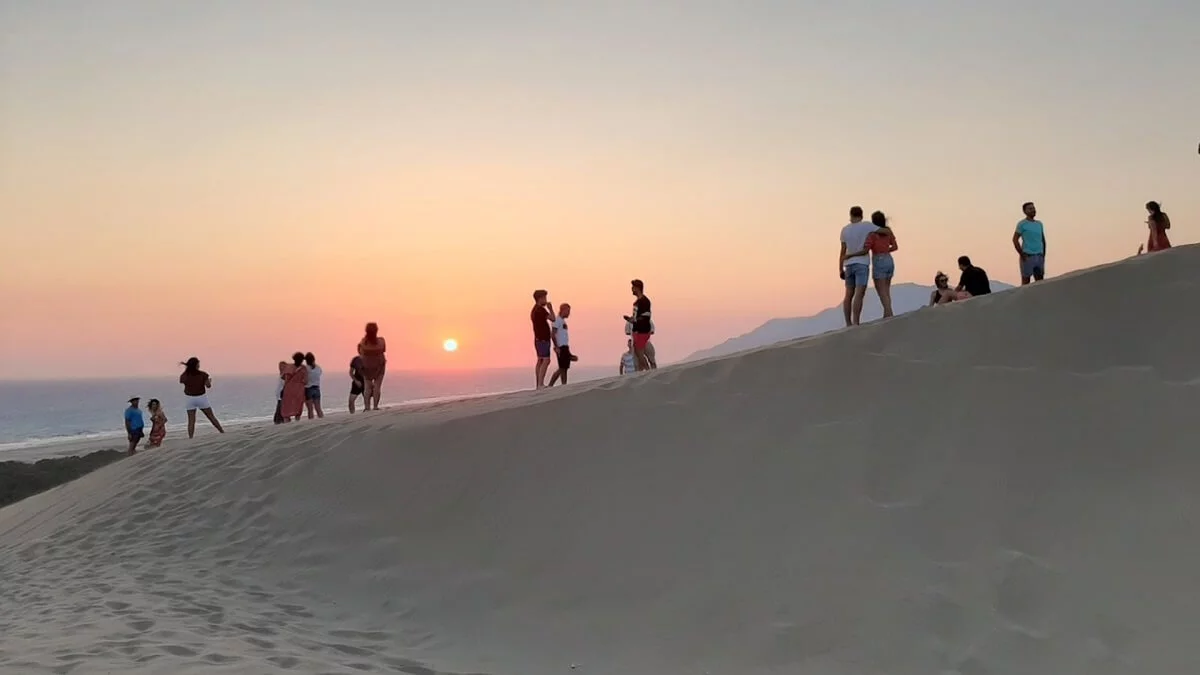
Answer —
283 373
135 424
158 424
628 360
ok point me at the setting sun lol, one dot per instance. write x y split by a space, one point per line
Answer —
450 344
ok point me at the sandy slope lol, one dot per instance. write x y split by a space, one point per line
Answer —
1004 486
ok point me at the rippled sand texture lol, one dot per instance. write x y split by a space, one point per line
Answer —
1005 486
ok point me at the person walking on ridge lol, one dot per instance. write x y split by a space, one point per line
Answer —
1029 240
640 318
854 266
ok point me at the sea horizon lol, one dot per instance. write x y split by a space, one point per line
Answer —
46 413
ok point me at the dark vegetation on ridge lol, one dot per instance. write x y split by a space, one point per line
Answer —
19 480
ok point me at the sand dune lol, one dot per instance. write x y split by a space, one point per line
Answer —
1004 486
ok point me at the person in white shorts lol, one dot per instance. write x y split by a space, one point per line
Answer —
196 384
649 343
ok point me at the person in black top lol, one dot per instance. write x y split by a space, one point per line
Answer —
974 280
641 323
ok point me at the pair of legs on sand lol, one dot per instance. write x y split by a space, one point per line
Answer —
212 419
370 392
856 291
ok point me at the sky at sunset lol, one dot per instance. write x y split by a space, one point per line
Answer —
239 180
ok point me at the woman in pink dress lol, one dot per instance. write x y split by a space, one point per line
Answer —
373 350
1159 223
291 402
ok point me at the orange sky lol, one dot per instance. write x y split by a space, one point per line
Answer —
174 185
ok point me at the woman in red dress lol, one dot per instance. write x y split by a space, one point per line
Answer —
1159 223
295 379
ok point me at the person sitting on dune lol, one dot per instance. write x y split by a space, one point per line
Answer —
974 280
942 293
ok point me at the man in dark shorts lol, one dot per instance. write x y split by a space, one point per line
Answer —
974 280
541 315
641 323
562 344
357 383
135 424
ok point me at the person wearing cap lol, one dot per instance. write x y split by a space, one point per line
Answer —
135 424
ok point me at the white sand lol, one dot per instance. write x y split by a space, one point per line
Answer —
1005 486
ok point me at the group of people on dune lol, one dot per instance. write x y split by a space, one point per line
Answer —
552 337
299 385
867 248
196 384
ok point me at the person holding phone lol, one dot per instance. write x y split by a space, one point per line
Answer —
641 323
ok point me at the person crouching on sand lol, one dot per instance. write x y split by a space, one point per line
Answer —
158 424
279 383
135 424
628 360
357 383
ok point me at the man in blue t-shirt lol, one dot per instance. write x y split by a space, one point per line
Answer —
1030 242
134 424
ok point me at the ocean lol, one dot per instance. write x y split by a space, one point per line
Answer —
45 413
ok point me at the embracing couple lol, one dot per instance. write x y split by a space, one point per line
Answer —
866 252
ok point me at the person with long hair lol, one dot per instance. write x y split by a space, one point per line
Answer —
1159 223
196 384
158 423
373 350
880 244
312 392
291 401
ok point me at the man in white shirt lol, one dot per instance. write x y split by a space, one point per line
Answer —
854 268
561 337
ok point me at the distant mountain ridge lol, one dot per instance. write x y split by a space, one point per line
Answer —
905 298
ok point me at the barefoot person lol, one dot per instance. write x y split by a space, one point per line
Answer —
881 244
373 350
541 316
561 337
357 385
291 401
135 425
284 371
196 384
853 265
158 424
1159 223
942 293
641 323
312 391
651 357
628 364
1030 242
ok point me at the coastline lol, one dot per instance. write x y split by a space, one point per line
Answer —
30 469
